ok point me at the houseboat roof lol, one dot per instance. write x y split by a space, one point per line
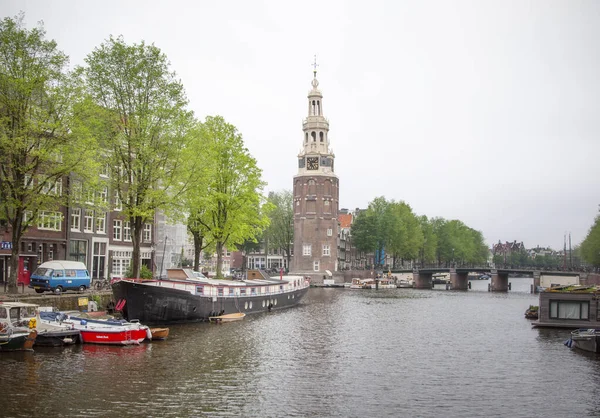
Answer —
572 288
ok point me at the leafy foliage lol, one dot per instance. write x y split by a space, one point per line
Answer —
280 233
143 124
233 209
590 247
40 141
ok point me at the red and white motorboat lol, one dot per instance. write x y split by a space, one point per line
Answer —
107 331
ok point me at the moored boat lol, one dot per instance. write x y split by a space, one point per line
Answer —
232 317
21 316
159 333
585 339
404 284
187 296
104 331
17 340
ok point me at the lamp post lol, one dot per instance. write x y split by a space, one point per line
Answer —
452 257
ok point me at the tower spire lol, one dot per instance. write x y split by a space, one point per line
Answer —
315 65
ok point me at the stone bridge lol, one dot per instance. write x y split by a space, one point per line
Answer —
499 282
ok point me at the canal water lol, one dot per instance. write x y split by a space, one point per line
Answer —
341 353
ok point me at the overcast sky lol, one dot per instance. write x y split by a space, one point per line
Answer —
483 111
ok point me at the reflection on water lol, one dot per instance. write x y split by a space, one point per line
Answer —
394 352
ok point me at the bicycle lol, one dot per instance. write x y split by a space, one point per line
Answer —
102 284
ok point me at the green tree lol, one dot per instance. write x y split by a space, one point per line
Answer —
144 127
280 232
406 237
364 232
40 142
590 247
234 210
428 250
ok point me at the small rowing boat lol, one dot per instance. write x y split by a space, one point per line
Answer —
159 333
238 316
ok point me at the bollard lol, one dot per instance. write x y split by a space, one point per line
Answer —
531 288
22 287
509 285
489 287
5 286
469 285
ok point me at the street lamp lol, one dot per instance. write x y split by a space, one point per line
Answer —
452 257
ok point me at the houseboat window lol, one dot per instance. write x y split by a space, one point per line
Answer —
220 291
200 290
560 309
253 291
281 288
231 291
243 292
3 312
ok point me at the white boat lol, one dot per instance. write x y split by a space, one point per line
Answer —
585 339
103 331
385 283
232 317
404 284
23 316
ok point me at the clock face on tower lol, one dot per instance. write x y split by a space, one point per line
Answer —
312 163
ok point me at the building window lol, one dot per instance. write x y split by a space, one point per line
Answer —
306 249
53 188
120 265
117 225
76 219
101 222
27 216
88 226
78 250
560 309
103 195
104 171
326 250
126 231
329 232
118 204
316 265
147 233
50 221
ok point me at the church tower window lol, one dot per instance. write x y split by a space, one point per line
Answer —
321 136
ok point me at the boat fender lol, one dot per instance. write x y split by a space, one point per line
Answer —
32 323
148 334
270 307
83 322
569 342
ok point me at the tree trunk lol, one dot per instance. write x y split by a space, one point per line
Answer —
14 268
136 238
219 260
14 255
197 249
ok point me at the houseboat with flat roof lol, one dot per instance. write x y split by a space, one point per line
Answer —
571 306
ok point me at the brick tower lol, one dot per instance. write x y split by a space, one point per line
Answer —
316 195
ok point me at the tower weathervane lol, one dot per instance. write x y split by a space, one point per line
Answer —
315 65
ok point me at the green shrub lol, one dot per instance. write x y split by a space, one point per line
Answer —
145 273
